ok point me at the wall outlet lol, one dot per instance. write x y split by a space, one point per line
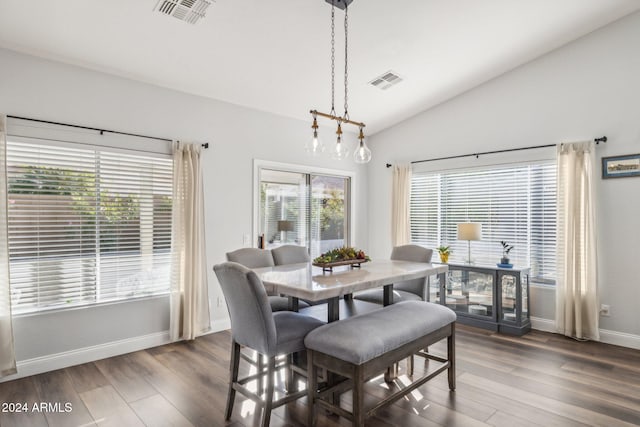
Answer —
246 240
218 302
605 310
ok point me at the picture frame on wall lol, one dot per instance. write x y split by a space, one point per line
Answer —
621 166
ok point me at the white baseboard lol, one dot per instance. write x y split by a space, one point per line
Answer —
79 356
220 325
620 338
545 325
65 359
608 337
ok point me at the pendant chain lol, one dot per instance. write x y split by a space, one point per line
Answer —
346 57
333 59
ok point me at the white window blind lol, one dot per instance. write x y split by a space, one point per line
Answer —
86 225
516 204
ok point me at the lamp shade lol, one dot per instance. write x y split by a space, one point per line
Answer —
285 225
470 231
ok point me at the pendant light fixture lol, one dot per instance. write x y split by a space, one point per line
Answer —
339 151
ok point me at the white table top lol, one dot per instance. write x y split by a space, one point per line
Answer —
310 283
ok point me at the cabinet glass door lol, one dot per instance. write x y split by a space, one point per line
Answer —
524 285
509 294
470 292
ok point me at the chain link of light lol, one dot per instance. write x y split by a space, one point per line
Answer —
346 62
333 59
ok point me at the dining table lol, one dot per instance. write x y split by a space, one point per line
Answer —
312 283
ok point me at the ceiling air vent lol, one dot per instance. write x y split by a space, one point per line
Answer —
386 80
185 10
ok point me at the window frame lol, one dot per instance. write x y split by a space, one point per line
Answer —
63 136
259 164
508 160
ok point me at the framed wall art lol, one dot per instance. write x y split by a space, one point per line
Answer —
621 166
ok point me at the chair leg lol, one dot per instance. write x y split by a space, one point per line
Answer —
268 399
260 367
290 374
451 357
312 389
235 363
410 363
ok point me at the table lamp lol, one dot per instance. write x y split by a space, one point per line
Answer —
284 226
469 231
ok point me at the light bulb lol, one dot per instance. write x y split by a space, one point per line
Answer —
315 146
340 150
362 153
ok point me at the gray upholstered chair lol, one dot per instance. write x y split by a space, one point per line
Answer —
252 257
257 258
410 290
255 326
290 254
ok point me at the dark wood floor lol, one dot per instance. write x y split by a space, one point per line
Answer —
538 380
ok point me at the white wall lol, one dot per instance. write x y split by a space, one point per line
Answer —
586 89
38 88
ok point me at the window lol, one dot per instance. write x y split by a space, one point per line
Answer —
86 225
304 209
513 203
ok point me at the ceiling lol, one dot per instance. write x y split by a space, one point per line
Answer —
274 55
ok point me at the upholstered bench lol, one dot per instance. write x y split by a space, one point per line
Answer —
362 347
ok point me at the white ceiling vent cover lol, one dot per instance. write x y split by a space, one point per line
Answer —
185 10
386 80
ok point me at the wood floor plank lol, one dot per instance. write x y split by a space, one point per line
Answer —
86 377
20 396
548 403
127 380
108 408
55 388
157 411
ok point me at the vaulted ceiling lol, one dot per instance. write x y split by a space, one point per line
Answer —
274 55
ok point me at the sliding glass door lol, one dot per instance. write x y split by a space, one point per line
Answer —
303 209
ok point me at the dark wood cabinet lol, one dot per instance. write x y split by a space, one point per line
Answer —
488 297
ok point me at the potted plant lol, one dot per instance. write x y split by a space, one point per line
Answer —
444 252
506 248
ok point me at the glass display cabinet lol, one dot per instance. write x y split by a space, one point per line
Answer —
488 297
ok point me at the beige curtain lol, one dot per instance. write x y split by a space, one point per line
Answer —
577 288
7 354
400 199
189 290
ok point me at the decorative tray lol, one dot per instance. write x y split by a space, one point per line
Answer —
328 266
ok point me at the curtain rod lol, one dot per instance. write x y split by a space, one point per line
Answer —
102 131
476 155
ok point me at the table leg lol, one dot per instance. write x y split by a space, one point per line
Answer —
293 303
387 295
333 309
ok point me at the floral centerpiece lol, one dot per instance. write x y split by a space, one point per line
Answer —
346 255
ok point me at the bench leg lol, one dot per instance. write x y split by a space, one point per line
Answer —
391 373
451 357
358 397
410 363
